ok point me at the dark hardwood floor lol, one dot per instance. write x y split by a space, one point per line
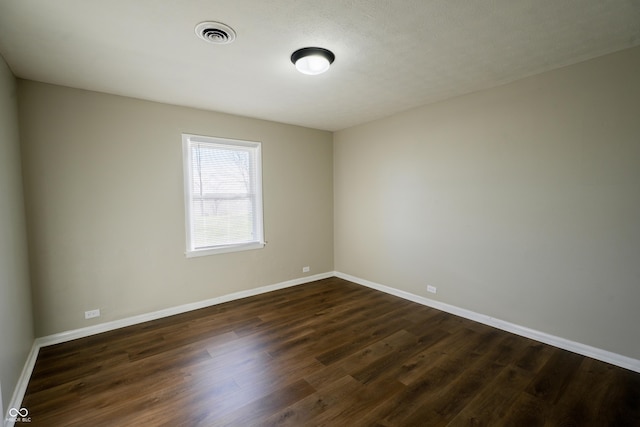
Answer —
327 353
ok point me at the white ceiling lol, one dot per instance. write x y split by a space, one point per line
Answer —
390 55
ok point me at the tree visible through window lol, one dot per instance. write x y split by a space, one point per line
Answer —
223 195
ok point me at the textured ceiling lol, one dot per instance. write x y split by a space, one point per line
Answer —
390 55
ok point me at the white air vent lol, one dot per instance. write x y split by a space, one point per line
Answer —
215 32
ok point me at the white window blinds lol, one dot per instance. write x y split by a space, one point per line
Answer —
223 195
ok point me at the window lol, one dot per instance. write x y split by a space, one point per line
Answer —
223 195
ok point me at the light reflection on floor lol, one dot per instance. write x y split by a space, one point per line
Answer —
237 374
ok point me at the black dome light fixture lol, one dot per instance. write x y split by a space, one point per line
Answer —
312 60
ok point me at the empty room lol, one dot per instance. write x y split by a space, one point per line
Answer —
303 213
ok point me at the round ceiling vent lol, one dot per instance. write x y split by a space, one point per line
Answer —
215 32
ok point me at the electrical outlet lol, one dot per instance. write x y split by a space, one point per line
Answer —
305 269
92 313
432 289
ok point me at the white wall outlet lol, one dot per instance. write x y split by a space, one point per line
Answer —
305 269
92 313
432 289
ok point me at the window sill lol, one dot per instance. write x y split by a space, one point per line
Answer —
224 249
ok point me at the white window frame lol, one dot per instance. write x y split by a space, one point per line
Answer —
256 149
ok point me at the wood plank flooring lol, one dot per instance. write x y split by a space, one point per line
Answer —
328 353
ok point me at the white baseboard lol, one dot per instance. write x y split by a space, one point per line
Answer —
21 386
23 381
576 347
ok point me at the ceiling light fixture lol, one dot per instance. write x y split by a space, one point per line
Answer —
312 60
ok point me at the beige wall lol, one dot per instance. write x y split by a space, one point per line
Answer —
16 326
520 202
104 197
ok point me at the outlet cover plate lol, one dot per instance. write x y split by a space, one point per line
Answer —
92 313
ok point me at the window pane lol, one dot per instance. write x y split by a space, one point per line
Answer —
222 222
220 170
